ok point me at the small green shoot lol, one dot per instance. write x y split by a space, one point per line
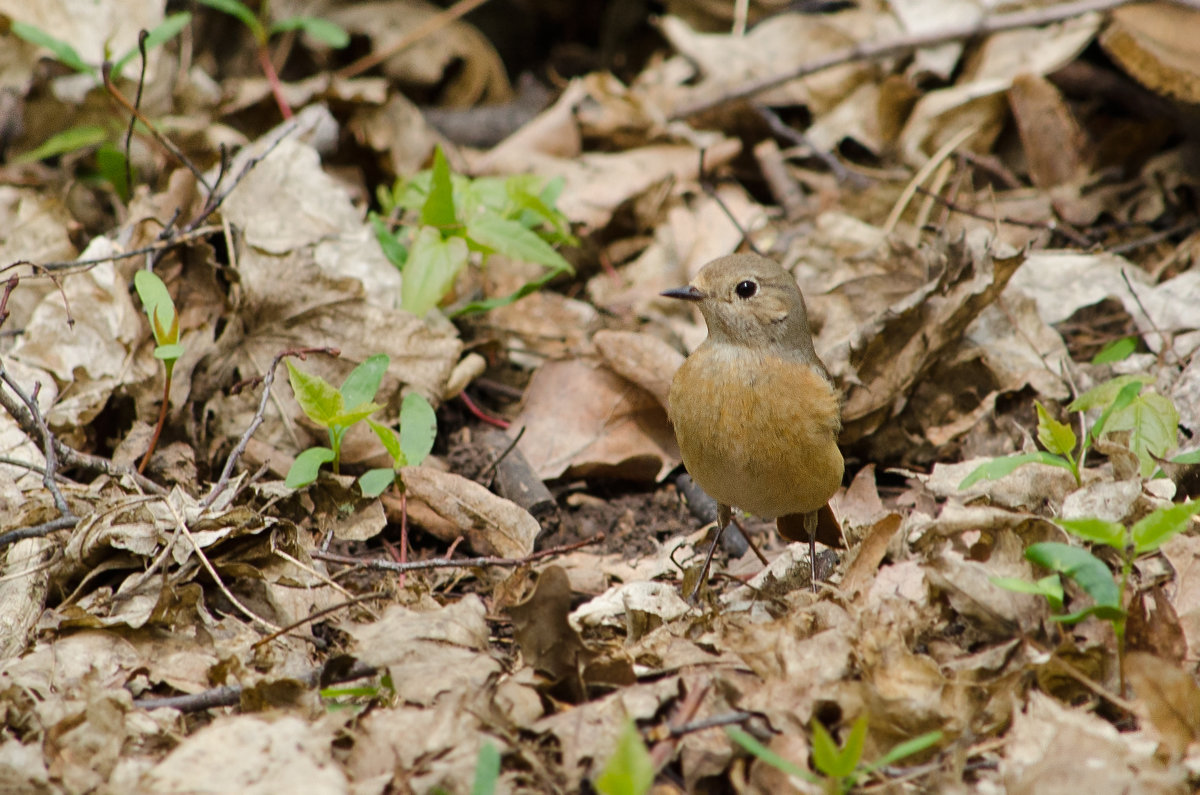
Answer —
1145 421
358 698
487 770
164 324
336 410
842 767
629 771
65 54
418 429
1091 574
319 29
453 216
1116 351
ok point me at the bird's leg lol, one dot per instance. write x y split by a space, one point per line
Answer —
724 515
810 527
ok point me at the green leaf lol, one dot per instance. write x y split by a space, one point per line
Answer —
306 467
163 32
1005 465
1106 393
1098 531
1190 457
487 770
1116 351
475 307
241 12
322 30
316 396
514 241
1124 398
363 382
168 353
905 749
1049 587
393 249
110 162
1054 435
852 749
433 264
1152 421
1103 612
376 481
347 417
438 210
160 309
390 442
825 754
418 428
71 140
1081 566
629 771
63 52
773 759
1153 530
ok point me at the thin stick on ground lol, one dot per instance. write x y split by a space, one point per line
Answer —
268 379
67 517
212 572
458 563
429 27
899 46
231 695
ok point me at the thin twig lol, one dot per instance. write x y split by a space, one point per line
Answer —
366 597
459 563
1053 227
212 572
30 401
231 695
491 469
428 28
164 141
179 239
728 719
840 173
268 378
882 49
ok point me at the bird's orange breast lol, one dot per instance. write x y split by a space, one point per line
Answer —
757 430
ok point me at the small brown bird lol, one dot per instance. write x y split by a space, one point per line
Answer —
755 412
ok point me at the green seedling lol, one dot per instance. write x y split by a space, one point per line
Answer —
1091 574
630 770
487 770
1116 351
111 165
1136 417
164 324
418 429
336 410
65 54
319 29
358 699
453 217
841 768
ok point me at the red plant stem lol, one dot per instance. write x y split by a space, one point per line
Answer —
479 414
264 61
403 534
162 420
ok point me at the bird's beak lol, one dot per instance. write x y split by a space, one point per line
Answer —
688 293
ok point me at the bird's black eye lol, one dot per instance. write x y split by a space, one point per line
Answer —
746 289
